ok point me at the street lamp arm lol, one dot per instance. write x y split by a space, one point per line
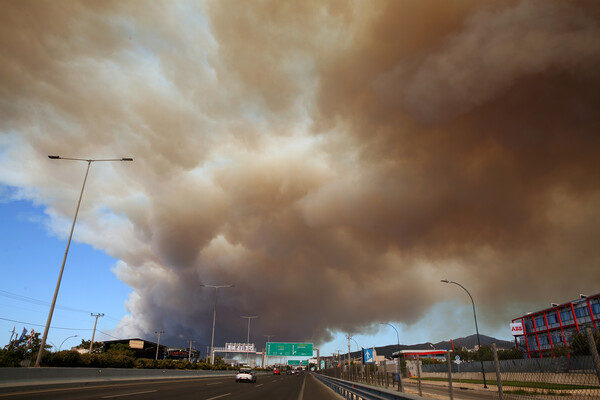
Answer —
476 328
63 342
89 159
397 335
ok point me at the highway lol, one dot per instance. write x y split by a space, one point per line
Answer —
282 387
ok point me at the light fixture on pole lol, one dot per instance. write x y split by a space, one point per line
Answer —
248 341
94 333
476 328
212 340
62 268
63 342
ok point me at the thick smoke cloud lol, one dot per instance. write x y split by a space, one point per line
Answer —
340 157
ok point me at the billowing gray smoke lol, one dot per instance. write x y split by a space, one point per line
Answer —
333 160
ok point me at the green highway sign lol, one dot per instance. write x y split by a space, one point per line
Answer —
297 362
290 349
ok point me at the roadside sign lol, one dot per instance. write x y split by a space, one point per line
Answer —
368 356
290 349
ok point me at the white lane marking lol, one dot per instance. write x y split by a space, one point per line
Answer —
127 394
218 397
216 383
260 385
301 395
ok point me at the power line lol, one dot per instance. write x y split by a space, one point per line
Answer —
31 300
54 327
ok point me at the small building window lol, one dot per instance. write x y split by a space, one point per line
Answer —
566 315
582 312
540 323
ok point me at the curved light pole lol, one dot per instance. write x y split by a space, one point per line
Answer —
212 341
62 268
397 358
476 328
65 341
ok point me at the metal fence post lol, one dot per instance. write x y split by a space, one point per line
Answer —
497 366
400 383
449 374
593 350
386 374
419 375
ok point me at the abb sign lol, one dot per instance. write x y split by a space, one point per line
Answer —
516 329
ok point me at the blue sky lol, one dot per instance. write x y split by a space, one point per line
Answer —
31 260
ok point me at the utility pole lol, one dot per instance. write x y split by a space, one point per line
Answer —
190 354
94 333
266 358
349 338
158 344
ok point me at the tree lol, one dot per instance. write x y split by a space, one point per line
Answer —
25 351
579 343
85 344
511 354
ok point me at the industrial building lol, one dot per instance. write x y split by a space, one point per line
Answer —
539 333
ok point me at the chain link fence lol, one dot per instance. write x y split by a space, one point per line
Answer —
568 377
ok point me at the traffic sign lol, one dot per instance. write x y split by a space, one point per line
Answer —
368 356
289 349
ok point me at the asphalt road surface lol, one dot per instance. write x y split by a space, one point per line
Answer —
280 387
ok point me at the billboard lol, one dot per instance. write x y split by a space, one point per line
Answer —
516 329
136 344
239 347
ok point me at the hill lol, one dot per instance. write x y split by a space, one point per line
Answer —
469 342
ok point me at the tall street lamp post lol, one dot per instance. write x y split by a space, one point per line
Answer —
397 358
212 340
62 268
476 328
248 340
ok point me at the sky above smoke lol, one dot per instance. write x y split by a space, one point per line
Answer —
332 160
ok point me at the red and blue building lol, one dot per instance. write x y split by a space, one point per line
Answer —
540 332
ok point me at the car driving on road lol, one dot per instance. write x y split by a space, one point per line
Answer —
245 374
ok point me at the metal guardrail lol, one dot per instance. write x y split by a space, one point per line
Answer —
357 391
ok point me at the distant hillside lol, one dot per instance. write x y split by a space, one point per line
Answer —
469 342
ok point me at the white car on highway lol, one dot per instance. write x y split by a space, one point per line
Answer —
245 374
